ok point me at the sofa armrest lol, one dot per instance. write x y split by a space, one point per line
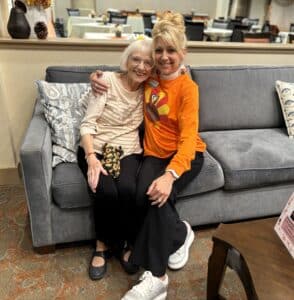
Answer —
36 162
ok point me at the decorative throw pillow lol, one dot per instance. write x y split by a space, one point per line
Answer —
64 107
286 95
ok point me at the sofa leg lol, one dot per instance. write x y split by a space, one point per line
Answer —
45 249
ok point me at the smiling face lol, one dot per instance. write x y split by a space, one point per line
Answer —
139 66
166 57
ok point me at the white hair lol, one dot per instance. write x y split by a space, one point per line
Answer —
144 46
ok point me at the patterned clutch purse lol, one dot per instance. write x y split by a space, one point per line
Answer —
111 159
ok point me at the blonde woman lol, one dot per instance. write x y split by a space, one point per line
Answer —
173 157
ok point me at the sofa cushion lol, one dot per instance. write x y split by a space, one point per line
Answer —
69 187
252 158
211 177
240 97
64 107
286 95
70 74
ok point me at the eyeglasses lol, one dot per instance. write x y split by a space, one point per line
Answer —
136 61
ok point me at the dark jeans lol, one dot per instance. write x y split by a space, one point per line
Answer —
161 232
114 201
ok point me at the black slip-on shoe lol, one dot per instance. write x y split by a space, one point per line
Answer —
127 266
96 273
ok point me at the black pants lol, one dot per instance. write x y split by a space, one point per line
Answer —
114 201
161 232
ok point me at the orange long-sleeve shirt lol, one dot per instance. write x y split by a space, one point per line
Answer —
171 118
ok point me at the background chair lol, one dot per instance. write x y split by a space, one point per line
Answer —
59 27
73 12
234 22
117 19
257 37
291 38
137 23
240 26
238 32
266 27
148 25
188 17
219 23
291 29
194 30
237 36
250 21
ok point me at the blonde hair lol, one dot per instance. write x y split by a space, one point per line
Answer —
170 27
142 45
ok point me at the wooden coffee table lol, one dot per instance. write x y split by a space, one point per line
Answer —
256 253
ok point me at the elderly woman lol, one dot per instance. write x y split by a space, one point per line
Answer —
109 135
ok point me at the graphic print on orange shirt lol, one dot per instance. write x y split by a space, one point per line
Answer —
156 106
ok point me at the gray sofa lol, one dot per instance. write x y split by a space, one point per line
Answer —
249 162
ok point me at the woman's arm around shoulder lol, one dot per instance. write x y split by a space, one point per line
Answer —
98 84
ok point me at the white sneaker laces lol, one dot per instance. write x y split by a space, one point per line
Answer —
179 252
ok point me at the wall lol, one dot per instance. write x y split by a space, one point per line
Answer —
185 6
239 8
282 15
4 14
258 10
83 4
222 8
24 61
60 9
181 6
7 150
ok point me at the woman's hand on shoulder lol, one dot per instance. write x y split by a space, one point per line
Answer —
98 85
160 189
94 169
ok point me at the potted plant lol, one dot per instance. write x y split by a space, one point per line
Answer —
118 30
104 19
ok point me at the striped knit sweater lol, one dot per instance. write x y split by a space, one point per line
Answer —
114 117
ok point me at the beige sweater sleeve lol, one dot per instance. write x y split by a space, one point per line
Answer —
94 111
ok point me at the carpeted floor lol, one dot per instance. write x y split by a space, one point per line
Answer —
25 275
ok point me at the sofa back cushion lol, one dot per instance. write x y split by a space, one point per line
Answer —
74 74
240 97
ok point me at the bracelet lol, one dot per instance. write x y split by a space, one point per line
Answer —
88 154
173 173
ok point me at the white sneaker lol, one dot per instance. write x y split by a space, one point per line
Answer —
148 288
179 258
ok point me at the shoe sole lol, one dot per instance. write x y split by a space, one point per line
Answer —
97 278
182 263
161 297
94 278
129 269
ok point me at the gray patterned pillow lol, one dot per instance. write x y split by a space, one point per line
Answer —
286 95
64 107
